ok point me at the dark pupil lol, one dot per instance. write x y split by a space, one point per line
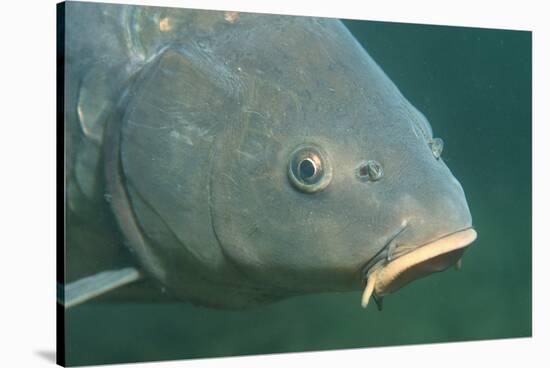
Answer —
307 169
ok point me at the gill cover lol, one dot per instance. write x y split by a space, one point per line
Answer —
163 159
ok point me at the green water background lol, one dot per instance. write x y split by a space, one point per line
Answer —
474 85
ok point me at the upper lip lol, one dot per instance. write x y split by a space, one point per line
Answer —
385 253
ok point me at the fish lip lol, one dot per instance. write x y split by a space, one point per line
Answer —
382 254
463 237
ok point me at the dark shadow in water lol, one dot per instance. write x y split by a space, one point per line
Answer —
48 355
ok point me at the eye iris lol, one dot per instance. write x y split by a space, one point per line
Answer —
307 168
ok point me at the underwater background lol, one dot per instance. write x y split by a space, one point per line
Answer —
474 86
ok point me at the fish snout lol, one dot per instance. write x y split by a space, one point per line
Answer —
436 230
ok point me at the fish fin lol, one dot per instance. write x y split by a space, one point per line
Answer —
95 285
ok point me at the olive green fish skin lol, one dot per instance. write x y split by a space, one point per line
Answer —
207 109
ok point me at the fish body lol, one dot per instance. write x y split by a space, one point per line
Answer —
247 158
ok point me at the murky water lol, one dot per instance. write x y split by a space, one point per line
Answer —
474 85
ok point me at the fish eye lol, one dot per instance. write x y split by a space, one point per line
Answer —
309 169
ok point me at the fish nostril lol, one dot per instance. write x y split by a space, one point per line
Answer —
436 146
370 171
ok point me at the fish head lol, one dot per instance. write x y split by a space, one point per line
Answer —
295 166
322 212
333 178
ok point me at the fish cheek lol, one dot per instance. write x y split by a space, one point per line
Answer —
251 213
275 233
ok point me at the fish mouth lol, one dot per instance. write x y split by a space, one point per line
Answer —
386 277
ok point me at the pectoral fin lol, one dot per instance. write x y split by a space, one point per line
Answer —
93 286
